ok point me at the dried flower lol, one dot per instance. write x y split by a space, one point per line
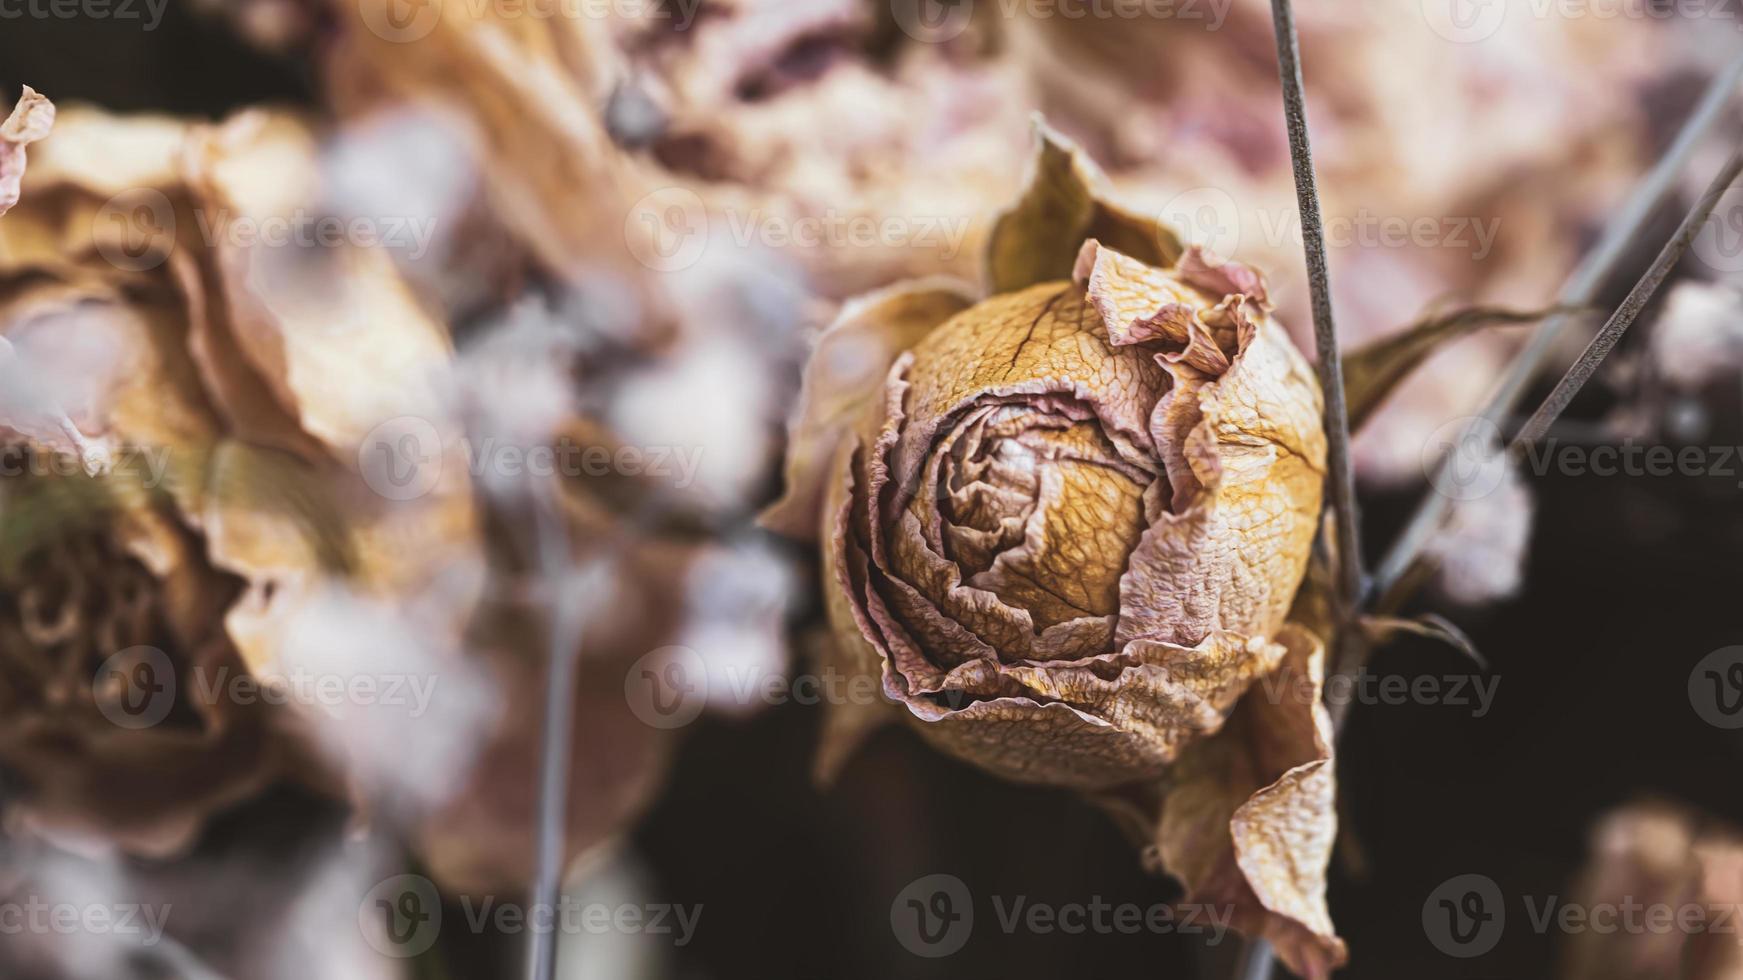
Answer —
1660 856
181 483
1068 523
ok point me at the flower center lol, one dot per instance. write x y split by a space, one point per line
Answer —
1040 509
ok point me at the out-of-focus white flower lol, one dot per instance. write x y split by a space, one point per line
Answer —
737 600
397 704
1481 549
1699 336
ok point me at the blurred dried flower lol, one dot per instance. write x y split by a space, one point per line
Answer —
1665 856
230 402
1066 527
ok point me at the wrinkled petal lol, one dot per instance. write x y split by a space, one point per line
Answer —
846 367
29 122
1250 818
334 330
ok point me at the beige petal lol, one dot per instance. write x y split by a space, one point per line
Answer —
1066 202
335 332
1250 817
845 371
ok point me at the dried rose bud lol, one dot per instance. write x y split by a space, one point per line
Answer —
1067 525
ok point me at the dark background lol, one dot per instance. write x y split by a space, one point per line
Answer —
1630 583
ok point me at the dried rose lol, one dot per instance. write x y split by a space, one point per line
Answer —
1067 525
180 472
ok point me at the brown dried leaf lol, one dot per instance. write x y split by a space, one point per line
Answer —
1067 201
1374 370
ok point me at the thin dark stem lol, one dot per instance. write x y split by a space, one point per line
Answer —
1257 959
559 723
1331 369
1582 369
1581 290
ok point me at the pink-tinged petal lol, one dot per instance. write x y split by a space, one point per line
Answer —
29 122
1139 306
1222 277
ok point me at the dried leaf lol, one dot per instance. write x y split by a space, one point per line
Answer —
1374 370
1066 202
1382 629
